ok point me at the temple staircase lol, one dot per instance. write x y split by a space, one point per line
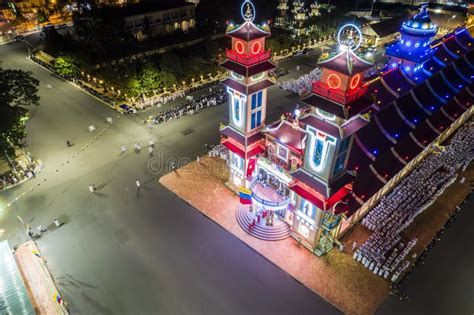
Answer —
279 231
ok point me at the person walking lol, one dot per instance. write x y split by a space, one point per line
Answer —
137 147
68 143
150 151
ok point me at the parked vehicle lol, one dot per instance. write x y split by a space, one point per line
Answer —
47 27
19 38
125 109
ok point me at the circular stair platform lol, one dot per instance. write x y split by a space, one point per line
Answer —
279 231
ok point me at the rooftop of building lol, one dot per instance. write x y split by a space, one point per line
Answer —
346 62
153 6
389 26
247 31
289 134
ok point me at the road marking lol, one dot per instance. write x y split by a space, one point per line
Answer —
57 171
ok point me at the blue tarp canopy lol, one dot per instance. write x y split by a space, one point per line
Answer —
13 296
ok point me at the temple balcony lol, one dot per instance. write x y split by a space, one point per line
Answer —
248 60
338 95
291 165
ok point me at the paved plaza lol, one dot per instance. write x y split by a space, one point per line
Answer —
336 277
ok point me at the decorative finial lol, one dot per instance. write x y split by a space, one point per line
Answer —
424 9
248 11
351 42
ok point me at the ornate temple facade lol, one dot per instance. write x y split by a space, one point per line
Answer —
314 174
293 14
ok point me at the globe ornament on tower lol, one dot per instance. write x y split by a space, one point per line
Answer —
248 11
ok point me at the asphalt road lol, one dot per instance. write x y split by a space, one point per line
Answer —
135 251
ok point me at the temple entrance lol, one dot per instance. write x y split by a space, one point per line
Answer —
270 194
266 218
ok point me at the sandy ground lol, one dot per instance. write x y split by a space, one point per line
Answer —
336 277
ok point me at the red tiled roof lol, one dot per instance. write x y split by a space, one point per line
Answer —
346 62
232 147
321 125
232 133
325 104
288 135
234 85
311 181
353 125
239 87
307 195
256 150
248 31
259 86
250 70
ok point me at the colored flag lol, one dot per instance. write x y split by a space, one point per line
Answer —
251 166
36 253
245 195
57 297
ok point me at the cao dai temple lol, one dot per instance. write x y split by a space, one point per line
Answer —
314 174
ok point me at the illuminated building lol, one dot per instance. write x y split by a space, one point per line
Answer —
160 18
315 174
282 18
248 64
299 13
315 8
414 47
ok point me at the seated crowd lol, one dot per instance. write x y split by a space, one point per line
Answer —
384 251
303 84
213 98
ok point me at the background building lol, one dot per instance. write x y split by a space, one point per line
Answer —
159 18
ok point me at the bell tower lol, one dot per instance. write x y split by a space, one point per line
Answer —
338 103
247 65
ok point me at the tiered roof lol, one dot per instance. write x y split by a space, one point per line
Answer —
291 136
413 121
346 62
248 32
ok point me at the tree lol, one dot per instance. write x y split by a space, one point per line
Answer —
41 17
54 41
170 62
66 66
18 89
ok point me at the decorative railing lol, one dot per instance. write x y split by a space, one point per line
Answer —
248 60
338 95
